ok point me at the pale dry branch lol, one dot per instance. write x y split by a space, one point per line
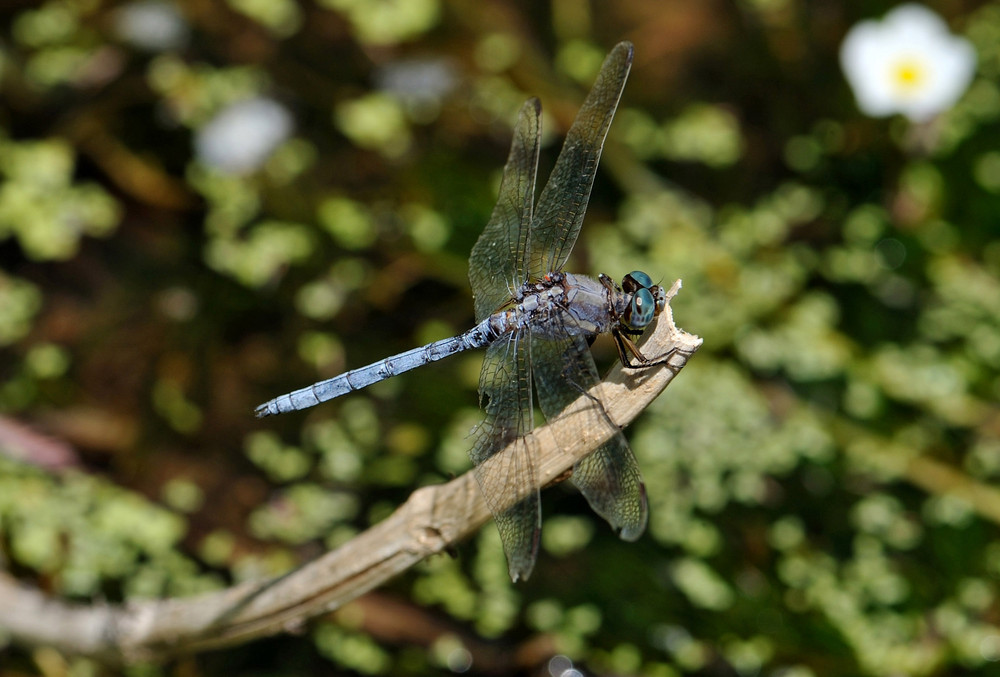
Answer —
431 520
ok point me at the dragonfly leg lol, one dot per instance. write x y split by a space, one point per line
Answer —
608 283
629 351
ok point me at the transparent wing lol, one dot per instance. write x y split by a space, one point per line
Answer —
505 396
498 265
609 478
563 202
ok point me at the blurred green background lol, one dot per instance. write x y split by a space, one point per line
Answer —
821 476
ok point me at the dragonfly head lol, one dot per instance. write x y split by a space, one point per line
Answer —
648 300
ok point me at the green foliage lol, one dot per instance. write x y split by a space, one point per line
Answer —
19 302
42 207
821 477
388 22
85 534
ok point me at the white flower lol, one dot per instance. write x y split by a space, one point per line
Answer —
153 25
423 79
908 63
240 138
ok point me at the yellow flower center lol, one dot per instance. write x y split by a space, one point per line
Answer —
909 75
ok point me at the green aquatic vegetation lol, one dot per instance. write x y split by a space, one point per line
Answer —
86 534
20 301
42 207
302 513
375 121
282 17
267 249
387 22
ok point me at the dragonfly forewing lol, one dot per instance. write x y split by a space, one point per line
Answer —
563 202
609 478
509 481
498 264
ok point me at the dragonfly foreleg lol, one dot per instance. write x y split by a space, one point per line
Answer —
608 283
629 351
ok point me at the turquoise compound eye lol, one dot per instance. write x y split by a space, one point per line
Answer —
641 311
661 299
636 280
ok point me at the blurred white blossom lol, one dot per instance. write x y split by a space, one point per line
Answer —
153 25
418 79
420 84
242 136
907 63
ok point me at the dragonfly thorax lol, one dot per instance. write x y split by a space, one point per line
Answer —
563 304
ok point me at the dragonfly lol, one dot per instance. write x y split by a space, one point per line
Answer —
537 323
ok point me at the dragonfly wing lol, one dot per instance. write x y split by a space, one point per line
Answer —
498 265
505 396
563 202
609 477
